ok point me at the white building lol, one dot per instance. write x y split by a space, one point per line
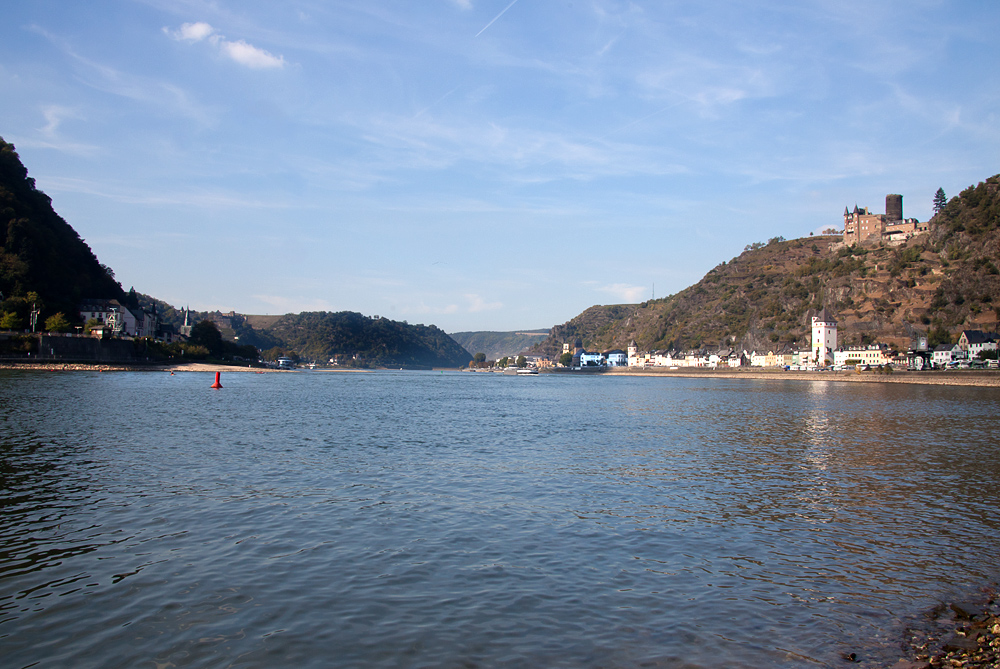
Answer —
133 322
616 358
824 338
633 355
974 342
874 355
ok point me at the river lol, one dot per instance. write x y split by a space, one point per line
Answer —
411 519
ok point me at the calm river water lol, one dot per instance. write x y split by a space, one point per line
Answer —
472 520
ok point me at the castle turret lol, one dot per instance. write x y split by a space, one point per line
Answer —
824 338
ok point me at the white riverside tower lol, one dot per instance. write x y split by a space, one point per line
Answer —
824 338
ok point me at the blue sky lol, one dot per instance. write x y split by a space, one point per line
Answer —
481 164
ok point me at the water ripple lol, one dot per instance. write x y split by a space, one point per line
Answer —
409 519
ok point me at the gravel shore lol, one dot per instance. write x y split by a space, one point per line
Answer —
956 635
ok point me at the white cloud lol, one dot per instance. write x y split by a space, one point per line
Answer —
192 32
624 292
463 4
249 55
239 51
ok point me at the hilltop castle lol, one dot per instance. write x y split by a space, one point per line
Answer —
861 225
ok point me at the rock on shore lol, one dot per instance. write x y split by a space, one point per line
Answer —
967 635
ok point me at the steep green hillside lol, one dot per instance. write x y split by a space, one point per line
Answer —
376 341
499 344
942 282
40 253
319 336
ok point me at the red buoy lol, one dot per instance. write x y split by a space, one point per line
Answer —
217 384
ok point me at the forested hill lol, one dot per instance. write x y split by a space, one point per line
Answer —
381 342
938 283
40 252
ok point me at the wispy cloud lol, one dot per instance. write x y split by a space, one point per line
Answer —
158 94
239 51
54 116
477 304
524 153
195 198
51 138
624 292
289 305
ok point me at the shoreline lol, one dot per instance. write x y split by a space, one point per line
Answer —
959 634
972 378
978 378
160 367
126 367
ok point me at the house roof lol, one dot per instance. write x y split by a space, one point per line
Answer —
824 316
978 336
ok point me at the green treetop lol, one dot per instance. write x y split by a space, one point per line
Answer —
940 200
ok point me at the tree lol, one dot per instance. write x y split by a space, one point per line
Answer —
57 323
479 357
11 321
522 362
132 299
938 336
503 361
205 333
566 359
940 200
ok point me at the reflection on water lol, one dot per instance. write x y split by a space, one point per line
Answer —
465 520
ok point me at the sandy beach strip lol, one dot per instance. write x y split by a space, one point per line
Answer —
209 367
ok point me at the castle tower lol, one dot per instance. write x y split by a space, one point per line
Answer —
633 354
824 338
894 207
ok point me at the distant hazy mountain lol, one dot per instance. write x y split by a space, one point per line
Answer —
498 344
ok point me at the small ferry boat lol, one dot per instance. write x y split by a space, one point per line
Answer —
526 371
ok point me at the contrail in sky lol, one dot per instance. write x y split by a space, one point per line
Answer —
495 18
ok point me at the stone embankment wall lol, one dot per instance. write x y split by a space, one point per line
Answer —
79 348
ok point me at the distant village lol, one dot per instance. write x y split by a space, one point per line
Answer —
111 318
973 349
